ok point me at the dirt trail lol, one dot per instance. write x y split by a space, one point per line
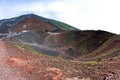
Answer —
6 72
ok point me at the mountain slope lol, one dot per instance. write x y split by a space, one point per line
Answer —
32 31
37 48
7 25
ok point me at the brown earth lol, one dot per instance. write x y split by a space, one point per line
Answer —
20 65
16 64
33 24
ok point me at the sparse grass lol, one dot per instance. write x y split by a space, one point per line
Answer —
90 62
24 47
106 43
109 52
61 25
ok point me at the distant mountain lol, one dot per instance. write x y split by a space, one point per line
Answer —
9 24
36 48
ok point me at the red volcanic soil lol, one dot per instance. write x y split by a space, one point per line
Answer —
20 65
110 46
33 24
16 64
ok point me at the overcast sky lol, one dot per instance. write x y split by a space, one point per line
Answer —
83 14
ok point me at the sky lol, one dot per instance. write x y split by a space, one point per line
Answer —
82 14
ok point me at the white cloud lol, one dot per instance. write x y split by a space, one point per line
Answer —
83 14
90 14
